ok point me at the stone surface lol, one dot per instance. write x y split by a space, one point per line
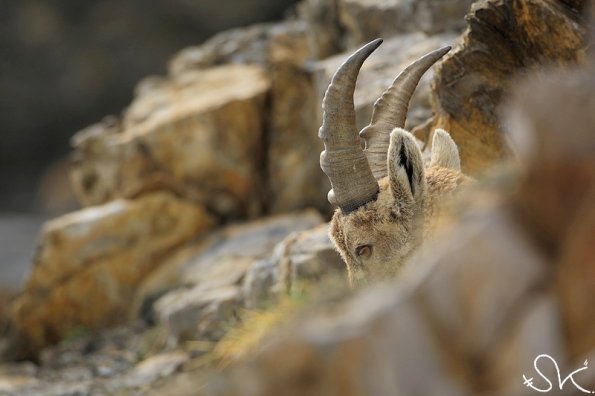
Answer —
207 290
198 313
294 178
504 39
308 256
303 257
198 134
322 17
243 45
155 367
379 71
365 20
89 263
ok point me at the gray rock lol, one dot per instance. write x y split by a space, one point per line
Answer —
197 313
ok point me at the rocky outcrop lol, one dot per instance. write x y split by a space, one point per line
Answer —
89 263
503 40
199 136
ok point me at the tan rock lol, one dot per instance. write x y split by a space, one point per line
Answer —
198 134
472 81
90 262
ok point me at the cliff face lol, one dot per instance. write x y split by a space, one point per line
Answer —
230 135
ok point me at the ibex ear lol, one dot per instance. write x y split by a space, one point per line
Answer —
444 151
405 167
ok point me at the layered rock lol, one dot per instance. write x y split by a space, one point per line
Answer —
198 135
89 263
503 40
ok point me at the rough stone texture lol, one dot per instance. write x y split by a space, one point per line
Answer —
308 256
294 177
304 256
209 282
89 263
322 17
243 45
379 71
196 313
198 134
504 39
129 359
365 20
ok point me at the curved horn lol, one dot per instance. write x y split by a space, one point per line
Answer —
390 111
343 159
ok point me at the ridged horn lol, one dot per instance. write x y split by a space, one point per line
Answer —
343 159
390 111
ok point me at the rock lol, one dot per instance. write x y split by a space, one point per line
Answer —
365 20
307 257
304 256
293 180
198 135
503 40
103 252
155 367
247 45
208 283
198 313
379 71
322 17
294 177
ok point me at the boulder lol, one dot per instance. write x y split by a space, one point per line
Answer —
198 135
89 263
504 39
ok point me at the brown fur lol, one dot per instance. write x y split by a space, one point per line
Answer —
395 224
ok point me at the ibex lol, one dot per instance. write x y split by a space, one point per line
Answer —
385 205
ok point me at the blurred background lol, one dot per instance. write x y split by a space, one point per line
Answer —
67 64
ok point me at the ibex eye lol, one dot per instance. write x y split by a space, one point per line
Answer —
363 251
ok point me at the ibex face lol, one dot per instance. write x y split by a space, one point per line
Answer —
385 195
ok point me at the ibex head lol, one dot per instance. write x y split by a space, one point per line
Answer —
383 192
